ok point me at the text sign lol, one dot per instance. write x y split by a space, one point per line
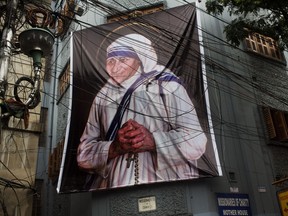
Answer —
283 201
147 204
233 204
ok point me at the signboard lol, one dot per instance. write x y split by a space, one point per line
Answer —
233 204
147 204
283 201
139 111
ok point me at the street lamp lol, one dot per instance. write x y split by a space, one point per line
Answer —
36 43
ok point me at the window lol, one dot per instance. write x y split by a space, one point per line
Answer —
232 176
276 122
64 80
264 46
135 13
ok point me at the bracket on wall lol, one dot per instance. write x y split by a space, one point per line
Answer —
280 182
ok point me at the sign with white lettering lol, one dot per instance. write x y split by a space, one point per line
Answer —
147 204
233 204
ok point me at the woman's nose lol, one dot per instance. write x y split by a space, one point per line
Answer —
115 66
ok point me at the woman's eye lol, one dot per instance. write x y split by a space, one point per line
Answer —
110 62
123 59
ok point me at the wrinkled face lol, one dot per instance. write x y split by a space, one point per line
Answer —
121 68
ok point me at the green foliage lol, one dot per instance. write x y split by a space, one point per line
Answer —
266 17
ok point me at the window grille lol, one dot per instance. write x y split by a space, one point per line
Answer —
276 124
64 80
135 13
264 46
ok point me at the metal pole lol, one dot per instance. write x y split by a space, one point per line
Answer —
6 45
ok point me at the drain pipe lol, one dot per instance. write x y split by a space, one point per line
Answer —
52 119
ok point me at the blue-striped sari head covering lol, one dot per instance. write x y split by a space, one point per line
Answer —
122 51
135 46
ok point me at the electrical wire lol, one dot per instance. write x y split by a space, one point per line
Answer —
235 77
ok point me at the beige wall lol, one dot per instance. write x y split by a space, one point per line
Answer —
19 148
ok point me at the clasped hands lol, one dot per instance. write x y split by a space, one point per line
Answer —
132 137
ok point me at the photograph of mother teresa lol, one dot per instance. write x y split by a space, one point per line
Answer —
139 105
148 130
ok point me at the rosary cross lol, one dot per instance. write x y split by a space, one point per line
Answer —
129 159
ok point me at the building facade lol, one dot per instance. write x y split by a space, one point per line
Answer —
241 83
247 93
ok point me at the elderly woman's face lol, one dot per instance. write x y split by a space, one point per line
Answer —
121 68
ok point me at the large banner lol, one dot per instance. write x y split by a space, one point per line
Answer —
139 112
